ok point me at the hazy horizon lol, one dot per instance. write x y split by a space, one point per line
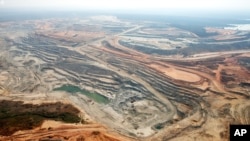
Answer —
177 7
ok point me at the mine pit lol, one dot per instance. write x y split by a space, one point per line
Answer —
106 79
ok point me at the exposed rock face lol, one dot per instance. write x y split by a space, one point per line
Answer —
129 78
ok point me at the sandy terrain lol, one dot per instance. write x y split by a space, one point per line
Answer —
55 130
223 34
51 130
176 74
122 93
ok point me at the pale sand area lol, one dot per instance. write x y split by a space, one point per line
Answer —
176 74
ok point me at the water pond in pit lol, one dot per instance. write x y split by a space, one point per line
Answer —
75 89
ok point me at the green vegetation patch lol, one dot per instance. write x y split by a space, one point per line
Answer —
75 89
19 122
15 115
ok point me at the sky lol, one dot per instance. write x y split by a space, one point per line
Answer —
195 5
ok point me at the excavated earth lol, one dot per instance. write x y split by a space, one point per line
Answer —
118 81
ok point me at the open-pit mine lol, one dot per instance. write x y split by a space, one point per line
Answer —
104 78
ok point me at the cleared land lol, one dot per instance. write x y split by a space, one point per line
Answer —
124 80
176 74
